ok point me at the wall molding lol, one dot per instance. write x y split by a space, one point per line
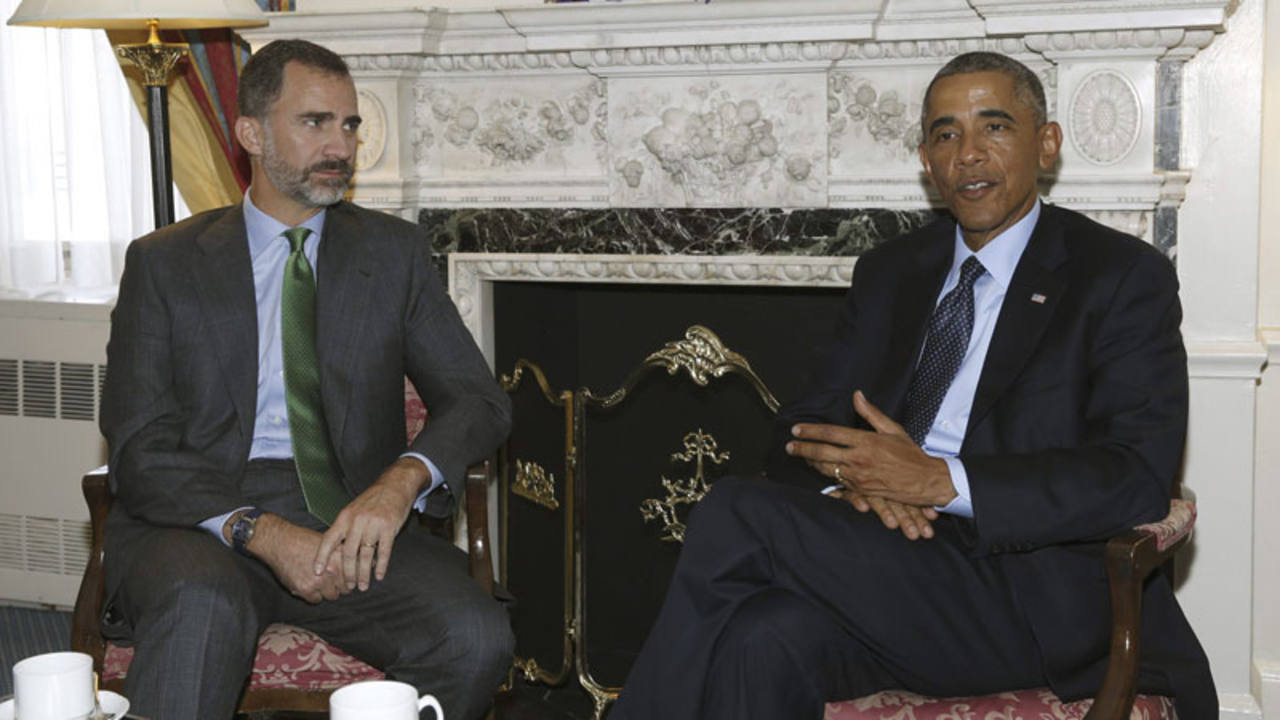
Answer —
1226 360
471 276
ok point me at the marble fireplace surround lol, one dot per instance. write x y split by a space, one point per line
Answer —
803 104
472 275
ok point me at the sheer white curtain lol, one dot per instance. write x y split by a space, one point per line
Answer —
74 174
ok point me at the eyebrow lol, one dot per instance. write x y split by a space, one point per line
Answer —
995 113
939 122
322 116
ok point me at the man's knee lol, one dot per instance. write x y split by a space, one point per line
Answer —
484 633
475 641
180 584
771 626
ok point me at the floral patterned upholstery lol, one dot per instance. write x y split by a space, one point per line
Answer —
415 412
287 656
1176 525
1038 704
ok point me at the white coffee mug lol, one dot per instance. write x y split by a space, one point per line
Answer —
380 700
53 686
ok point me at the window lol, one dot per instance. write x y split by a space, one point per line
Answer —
75 177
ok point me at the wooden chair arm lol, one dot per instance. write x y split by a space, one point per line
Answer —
477 507
1130 557
86 629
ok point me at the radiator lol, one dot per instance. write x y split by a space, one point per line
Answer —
52 364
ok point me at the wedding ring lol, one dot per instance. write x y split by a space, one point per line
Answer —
837 466
369 545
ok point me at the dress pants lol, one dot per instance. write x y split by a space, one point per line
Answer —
194 609
784 599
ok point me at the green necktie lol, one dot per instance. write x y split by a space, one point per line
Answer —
318 469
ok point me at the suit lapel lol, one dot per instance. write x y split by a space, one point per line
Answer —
913 305
225 288
344 290
1034 291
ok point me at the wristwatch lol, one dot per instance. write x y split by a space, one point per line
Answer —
242 530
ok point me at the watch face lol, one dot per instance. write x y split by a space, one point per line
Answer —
242 530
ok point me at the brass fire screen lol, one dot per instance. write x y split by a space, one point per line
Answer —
608 514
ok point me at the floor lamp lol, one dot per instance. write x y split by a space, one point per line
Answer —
154 58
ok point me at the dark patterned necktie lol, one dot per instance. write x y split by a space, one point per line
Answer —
318 470
944 349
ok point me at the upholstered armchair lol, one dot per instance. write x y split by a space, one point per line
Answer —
1130 558
293 669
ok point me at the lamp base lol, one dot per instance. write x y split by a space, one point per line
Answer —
155 59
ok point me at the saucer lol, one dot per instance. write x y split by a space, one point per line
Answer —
113 704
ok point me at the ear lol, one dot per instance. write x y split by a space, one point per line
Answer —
250 133
924 161
1050 141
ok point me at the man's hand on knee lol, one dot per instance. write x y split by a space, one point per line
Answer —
915 522
362 535
289 550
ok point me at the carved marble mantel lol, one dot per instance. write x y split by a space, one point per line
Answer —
744 103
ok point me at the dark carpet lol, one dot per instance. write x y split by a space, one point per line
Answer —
25 632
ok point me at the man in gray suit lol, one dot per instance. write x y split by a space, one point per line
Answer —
220 528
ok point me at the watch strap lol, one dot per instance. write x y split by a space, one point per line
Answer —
242 530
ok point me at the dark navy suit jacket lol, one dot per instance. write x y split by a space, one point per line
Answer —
1076 432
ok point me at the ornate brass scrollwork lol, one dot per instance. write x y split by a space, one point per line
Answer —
701 353
534 483
698 448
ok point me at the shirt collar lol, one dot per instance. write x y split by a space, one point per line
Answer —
1001 255
263 229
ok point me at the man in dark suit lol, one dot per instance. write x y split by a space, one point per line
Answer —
1007 388
254 409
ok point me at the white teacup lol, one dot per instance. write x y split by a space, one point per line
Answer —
380 700
53 686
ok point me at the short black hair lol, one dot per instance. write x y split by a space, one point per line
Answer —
262 77
1026 84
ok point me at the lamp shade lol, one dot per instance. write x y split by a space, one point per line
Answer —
135 14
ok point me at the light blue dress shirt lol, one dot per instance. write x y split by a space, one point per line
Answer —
1000 258
268 251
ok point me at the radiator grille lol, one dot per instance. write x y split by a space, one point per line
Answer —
49 389
77 391
11 542
44 545
8 387
39 388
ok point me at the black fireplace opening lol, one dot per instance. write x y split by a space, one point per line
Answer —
595 335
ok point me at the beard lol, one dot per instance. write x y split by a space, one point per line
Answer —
296 182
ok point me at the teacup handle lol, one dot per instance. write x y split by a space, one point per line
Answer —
431 702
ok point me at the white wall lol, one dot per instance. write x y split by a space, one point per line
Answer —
1266 561
1218 242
